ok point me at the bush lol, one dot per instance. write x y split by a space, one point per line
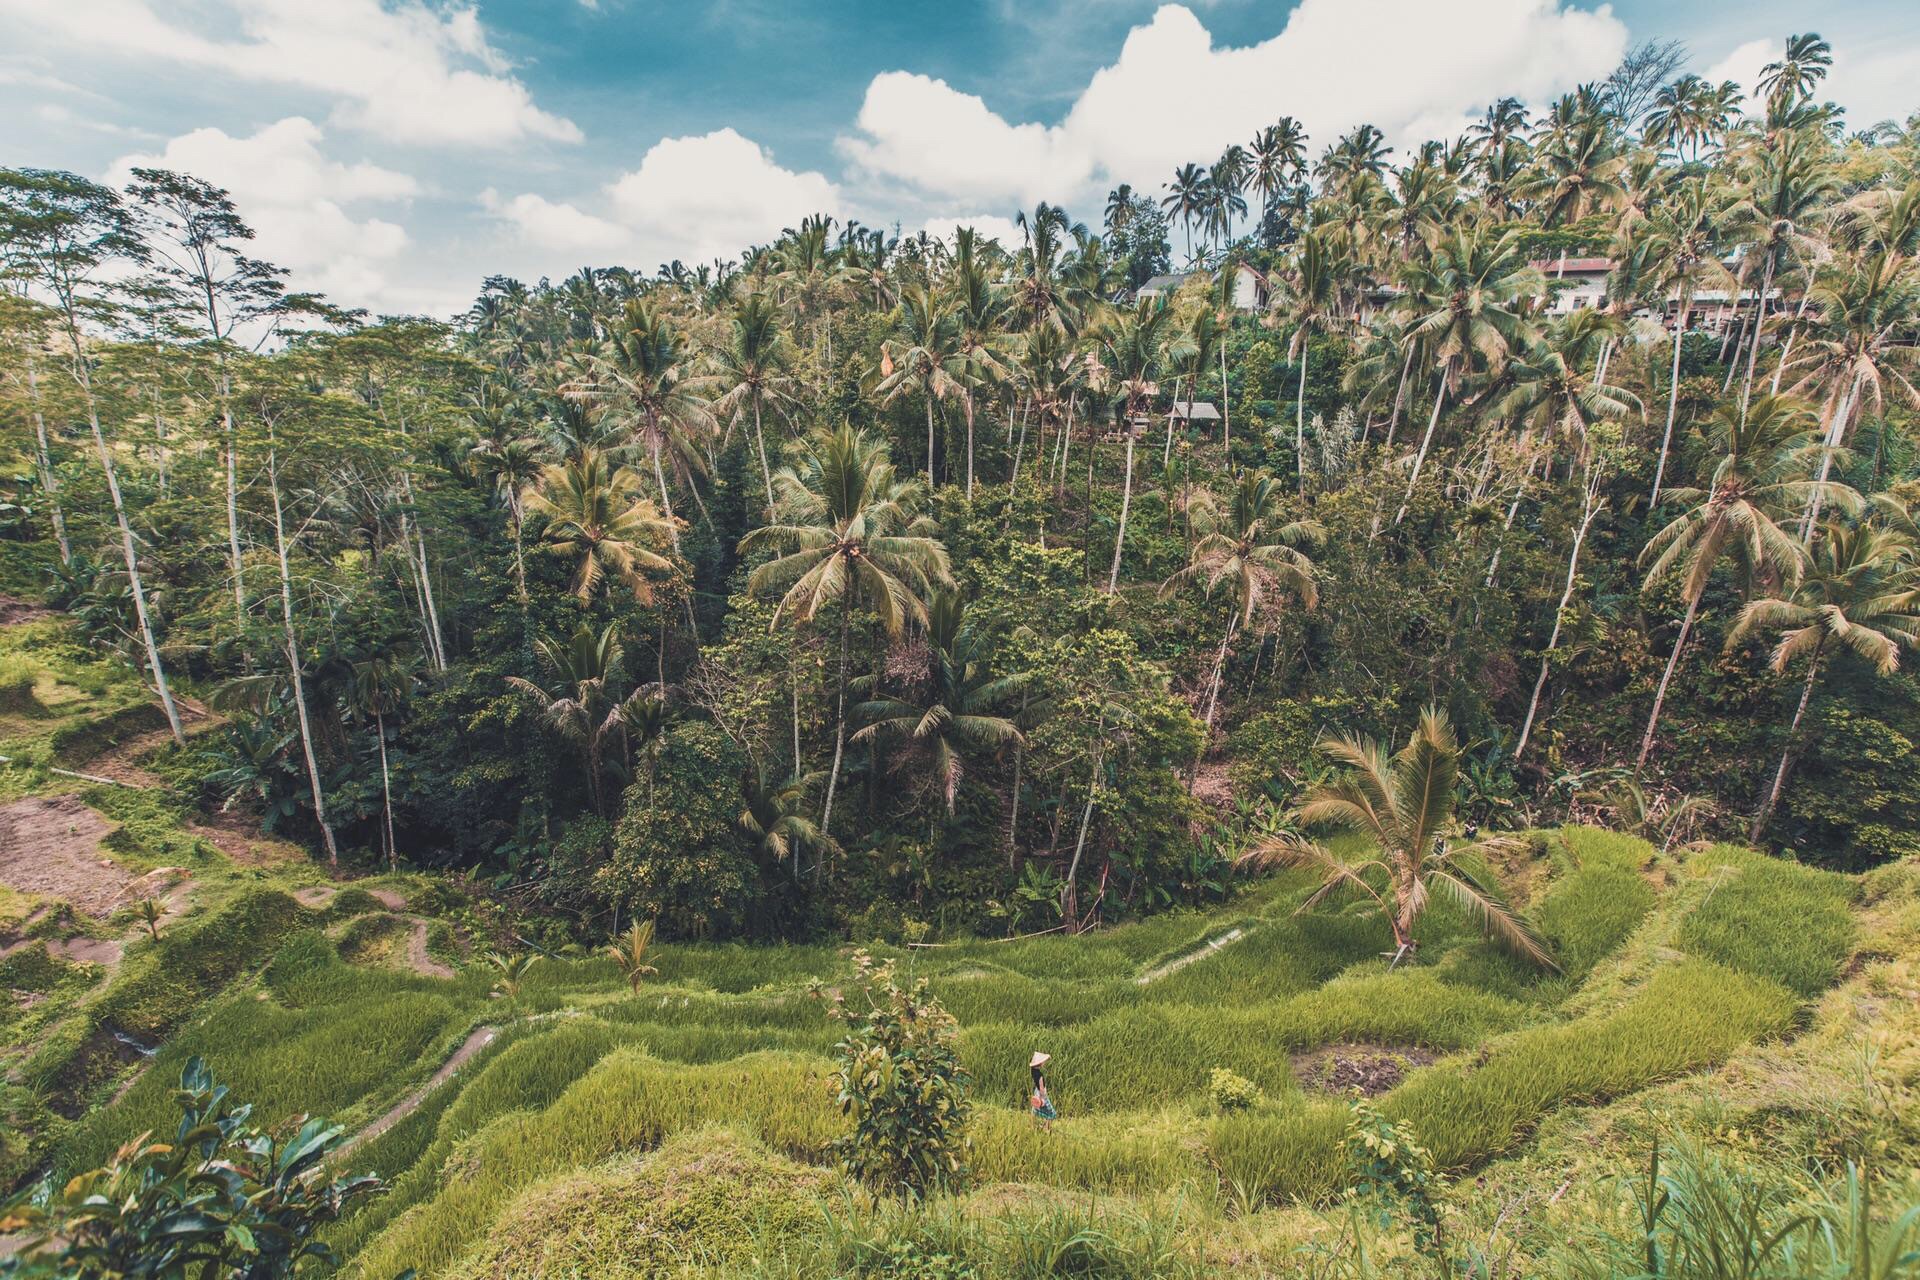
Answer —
1229 1092
901 1083
18 675
702 1198
678 857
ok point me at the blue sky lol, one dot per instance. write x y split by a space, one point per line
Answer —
391 152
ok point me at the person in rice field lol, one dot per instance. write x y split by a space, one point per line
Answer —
1042 1101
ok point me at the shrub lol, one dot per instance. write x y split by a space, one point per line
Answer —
1229 1092
1391 1169
678 856
222 1198
18 674
700 1199
901 1083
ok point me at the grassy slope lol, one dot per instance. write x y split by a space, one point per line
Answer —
1674 967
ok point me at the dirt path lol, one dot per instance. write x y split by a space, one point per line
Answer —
1200 952
480 1039
50 846
417 958
14 610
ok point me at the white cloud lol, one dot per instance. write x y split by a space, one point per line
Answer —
1875 80
1742 66
1172 96
557 226
710 196
990 226
301 204
407 71
693 198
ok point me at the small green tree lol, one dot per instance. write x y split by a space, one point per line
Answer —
1394 1174
223 1198
629 951
901 1083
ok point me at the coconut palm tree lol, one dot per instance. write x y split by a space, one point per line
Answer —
1799 71
847 529
1132 344
643 377
773 816
594 511
379 686
1464 307
1685 242
1309 292
754 371
1860 593
1773 217
924 355
954 710
1258 552
583 707
1760 471
1404 806
629 951
980 307
1119 211
1186 199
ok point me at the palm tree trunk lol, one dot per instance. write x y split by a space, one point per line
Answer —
1300 421
1759 326
1836 432
1166 450
1673 396
1213 685
233 492
1226 409
760 443
1660 694
1399 399
1793 331
1765 815
1069 899
1426 442
930 482
292 644
840 719
1126 501
666 501
1013 474
1600 371
44 460
127 547
967 404
1589 509
386 790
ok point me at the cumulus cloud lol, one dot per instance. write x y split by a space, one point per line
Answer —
1172 96
1742 65
408 71
692 198
988 225
302 205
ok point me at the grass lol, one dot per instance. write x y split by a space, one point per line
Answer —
1777 919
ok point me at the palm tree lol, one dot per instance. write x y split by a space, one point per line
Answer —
629 951
753 368
1791 183
642 376
1119 210
979 308
1760 472
1132 345
956 713
584 708
847 528
773 816
1186 199
594 511
1685 234
1859 592
1806 62
1309 292
1257 551
379 686
512 967
1279 154
924 355
1404 806
1465 307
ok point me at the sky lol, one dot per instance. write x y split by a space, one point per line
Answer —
393 153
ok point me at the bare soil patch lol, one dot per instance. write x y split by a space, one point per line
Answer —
50 846
86 951
14 610
1370 1068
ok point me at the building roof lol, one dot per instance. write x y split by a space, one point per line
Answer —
1583 266
1164 284
1196 410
